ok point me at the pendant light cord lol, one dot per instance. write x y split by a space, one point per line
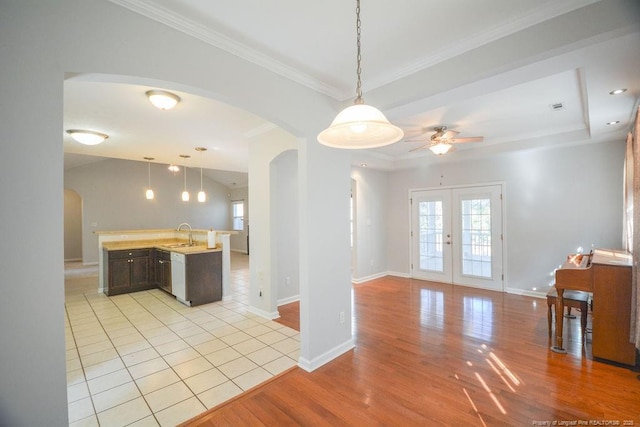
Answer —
358 99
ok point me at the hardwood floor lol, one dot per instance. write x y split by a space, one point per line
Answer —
290 315
435 354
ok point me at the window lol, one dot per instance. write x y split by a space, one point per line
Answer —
238 215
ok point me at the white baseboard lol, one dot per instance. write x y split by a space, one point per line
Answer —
399 274
359 280
311 365
90 263
525 292
262 313
242 251
72 259
288 300
515 291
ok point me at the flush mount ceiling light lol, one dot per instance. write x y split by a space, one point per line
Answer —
360 125
618 91
149 192
440 148
87 137
202 196
185 193
615 122
162 99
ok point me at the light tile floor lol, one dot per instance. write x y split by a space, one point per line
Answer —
145 359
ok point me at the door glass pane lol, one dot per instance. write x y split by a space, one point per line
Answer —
431 231
476 237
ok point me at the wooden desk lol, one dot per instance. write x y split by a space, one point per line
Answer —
607 274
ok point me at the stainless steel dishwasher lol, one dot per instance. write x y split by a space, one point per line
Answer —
178 279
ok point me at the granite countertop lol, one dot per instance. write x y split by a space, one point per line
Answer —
173 245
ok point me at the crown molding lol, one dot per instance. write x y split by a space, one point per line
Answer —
173 20
548 11
167 17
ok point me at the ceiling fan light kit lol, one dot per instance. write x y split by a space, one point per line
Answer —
441 142
360 126
440 148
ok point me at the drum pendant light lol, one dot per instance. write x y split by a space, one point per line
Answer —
149 193
360 125
185 193
202 196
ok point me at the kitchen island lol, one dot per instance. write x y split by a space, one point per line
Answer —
194 270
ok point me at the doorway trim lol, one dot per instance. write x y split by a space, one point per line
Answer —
453 187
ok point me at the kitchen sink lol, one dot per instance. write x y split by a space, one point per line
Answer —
176 245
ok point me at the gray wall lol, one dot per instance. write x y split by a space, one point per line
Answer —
371 207
72 225
113 194
556 201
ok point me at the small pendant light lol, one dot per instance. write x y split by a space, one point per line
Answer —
202 196
149 192
185 193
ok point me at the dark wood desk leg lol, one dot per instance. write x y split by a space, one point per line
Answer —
559 322
549 317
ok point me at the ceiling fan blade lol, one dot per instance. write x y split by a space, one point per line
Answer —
449 134
416 140
467 139
420 148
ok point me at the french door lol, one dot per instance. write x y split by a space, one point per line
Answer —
456 236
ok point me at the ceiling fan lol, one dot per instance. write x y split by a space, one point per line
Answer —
443 139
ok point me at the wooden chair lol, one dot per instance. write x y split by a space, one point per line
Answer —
572 299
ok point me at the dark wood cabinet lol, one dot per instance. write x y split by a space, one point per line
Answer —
203 277
162 269
127 271
135 270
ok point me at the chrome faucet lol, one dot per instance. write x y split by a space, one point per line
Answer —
190 232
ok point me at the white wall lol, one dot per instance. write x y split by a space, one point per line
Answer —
371 208
263 285
556 201
113 193
41 42
285 231
239 240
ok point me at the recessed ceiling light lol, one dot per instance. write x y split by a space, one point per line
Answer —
364 165
557 106
87 137
615 122
617 91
